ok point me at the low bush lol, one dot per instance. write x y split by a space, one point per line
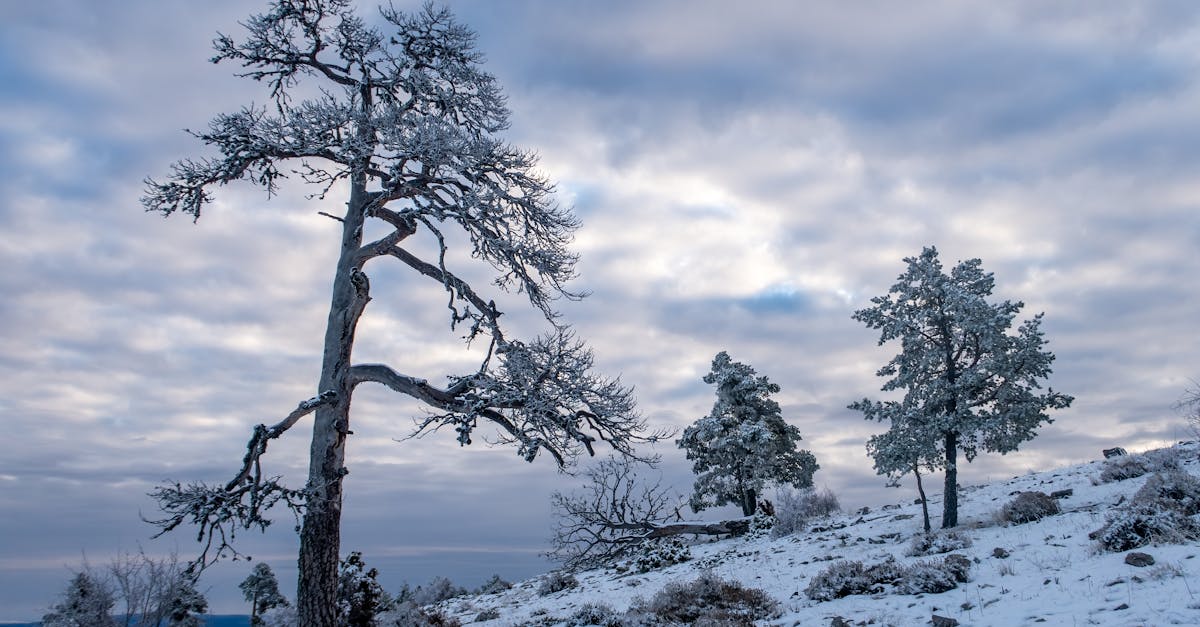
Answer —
488 614
1131 466
659 553
494 585
850 577
557 582
938 542
437 590
840 579
595 615
927 577
408 614
1162 510
794 508
706 601
1028 507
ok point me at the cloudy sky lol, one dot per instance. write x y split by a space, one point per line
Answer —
747 176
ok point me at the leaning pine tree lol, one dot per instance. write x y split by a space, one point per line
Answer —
743 444
405 123
969 383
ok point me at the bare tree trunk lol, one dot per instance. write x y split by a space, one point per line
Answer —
950 495
924 501
749 501
320 536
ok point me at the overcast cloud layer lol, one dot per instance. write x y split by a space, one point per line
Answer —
747 177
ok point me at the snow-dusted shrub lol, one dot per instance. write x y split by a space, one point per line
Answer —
659 553
1122 468
1161 511
437 590
838 580
926 577
408 614
1171 488
489 614
760 525
794 508
1028 507
593 615
937 542
494 585
959 567
557 582
707 600
1130 466
1138 526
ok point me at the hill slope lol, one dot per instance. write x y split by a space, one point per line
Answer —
1045 572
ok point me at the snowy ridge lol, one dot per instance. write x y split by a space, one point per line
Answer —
1053 573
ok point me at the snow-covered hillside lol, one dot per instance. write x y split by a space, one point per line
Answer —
1042 572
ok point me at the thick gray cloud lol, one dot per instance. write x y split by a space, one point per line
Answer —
747 174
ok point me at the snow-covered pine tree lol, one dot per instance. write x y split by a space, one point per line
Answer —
261 590
185 603
743 444
969 384
87 602
403 118
360 598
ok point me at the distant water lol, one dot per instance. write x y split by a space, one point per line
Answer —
220 620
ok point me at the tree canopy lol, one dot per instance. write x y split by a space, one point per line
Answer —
744 443
402 121
969 382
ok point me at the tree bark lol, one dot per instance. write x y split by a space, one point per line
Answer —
320 535
924 501
749 501
950 495
734 527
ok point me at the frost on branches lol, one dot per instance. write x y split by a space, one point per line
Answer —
969 382
404 119
743 443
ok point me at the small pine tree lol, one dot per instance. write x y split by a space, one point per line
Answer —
743 443
359 596
969 384
185 604
261 590
87 602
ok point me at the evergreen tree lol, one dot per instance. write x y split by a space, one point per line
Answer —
87 602
261 590
185 604
969 384
359 596
743 443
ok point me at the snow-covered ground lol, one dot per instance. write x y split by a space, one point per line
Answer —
1053 574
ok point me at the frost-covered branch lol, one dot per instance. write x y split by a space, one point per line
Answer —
219 511
542 396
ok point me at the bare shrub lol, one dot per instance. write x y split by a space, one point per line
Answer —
557 582
488 614
938 542
794 508
708 600
1028 507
